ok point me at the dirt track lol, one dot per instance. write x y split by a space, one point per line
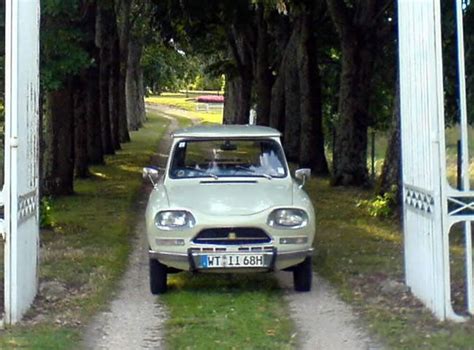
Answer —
135 318
324 321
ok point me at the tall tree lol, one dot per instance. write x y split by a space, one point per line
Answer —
124 27
263 73
360 25
62 59
296 105
104 23
58 148
242 42
135 86
79 95
311 153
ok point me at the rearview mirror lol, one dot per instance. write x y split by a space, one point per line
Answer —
303 174
228 146
151 173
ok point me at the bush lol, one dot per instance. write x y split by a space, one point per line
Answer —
381 206
45 218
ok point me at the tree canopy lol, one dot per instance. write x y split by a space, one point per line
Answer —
322 72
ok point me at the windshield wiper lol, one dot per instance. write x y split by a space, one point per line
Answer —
202 171
240 167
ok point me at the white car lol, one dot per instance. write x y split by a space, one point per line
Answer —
227 203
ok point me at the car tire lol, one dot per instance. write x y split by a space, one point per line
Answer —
303 275
158 277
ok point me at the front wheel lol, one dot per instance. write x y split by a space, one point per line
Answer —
303 275
158 277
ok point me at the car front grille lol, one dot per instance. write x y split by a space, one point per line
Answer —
232 236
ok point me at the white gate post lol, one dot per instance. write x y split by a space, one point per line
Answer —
21 156
431 205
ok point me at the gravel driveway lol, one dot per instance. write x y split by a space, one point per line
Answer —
323 320
135 318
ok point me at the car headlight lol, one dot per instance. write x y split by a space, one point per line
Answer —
288 218
174 220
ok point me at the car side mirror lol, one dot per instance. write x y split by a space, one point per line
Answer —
151 173
303 174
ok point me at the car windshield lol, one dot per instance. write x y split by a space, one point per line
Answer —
228 158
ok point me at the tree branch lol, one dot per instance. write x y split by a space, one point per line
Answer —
340 14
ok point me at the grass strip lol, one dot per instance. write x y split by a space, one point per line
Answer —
226 311
88 247
231 311
360 254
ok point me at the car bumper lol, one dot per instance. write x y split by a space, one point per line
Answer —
274 260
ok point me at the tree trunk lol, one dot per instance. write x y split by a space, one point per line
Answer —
81 168
239 89
141 97
277 107
230 99
90 84
58 137
263 74
103 42
358 27
312 139
350 151
123 25
95 153
114 94
291 138
237 101
392 165
134 96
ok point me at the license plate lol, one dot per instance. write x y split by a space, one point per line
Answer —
231 260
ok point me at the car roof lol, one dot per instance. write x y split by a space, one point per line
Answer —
211 131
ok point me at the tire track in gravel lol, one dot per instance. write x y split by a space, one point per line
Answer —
323 320
135 319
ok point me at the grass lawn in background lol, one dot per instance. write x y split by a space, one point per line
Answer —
189 104
87 249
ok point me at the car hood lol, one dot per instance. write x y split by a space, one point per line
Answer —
226 198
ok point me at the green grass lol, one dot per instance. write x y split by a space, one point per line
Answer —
226 312
188 107
357 253
44 337
89 246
